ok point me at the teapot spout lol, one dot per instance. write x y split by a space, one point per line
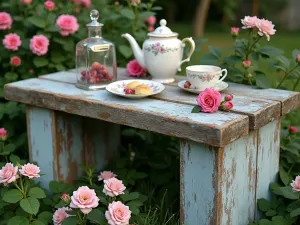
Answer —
137 51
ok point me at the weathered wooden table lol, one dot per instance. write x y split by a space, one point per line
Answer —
228 159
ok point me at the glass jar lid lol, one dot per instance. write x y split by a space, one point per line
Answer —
163 31
94 17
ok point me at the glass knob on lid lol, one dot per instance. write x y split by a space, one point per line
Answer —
94 17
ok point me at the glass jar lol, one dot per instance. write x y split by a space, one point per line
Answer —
95 58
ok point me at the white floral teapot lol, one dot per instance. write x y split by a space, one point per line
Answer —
162 53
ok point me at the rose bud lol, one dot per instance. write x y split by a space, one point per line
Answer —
66 198
15 61
227 106
228 98
293 130
298 58
247 63
235 31
187 84
3 134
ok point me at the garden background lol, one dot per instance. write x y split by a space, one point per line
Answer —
149 163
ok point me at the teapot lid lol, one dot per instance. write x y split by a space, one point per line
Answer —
162 31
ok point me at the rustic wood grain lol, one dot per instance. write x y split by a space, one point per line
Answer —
217 129
218 184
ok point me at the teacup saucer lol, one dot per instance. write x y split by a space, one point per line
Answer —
219 87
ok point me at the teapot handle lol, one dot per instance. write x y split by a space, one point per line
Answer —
192 43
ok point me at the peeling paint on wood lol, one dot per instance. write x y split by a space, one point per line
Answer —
172 119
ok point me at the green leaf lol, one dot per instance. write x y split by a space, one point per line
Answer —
270 51
294 205
288 192
135 203
57 187
295 212
209 59
37 21
10 148
11 77
156 8
134 209
130 196
38 222
57 57
196 109
295 53
278 220
125 51
145 15
18 220
72 220
14 159
263 205
127 13
265 222
233 59
37 192
96 216
255 56
12 196
284 176
30 205
40 61
262 81
271 213
215 51
138 175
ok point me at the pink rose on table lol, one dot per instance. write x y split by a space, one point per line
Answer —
293 130
265 27
209 100
67 24
49 5
85 199
296 184
247 63
151 20
105 175
60 215
30 170
134 69
3 134
15 61
5 21
113 187
26 2
12 42
227 106
39 44
235 31
249 22
118 214
8 174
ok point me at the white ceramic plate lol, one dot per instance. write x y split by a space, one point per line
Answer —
219 87
118 87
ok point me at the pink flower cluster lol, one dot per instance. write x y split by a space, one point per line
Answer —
151 22
298 58
3 134
235 31
84 3
247 63
135 2
9 172
134 69
49 5
60 215
26 2
5 21
293 130
264 27
68 24
15 61
105 175
12 42
296 184
113 187
85 199
39 45
118 214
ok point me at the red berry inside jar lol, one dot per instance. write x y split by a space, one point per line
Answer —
96 74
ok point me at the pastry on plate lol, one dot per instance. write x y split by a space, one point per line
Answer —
143 89
132 85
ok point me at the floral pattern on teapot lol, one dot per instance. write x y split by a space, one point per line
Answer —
159 48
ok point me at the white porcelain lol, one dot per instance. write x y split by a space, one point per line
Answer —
162 53
205 76
118 87
218 87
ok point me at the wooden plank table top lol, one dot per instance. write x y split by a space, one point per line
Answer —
168 113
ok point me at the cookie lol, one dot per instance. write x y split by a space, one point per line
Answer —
132 85
143 90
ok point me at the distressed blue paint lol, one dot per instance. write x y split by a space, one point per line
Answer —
197 183
237 181
268 159
41 142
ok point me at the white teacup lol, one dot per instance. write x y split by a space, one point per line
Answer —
205 76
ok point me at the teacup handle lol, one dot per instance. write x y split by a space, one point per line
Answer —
223 76
192 43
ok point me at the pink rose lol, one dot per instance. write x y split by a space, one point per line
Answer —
227 106
151 28
8 174
228 97
298 58
60 215
135 2
30 170
3 134
105 175
85 199
151 20
209 100
49 5
249 22
296 184
12 42
86 3
5 21
15 61
293 130
235 31
265 27
134 69
26 2
67 24
39 44
118 214
113 187
247 63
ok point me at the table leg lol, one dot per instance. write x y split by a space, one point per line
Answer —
61 142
